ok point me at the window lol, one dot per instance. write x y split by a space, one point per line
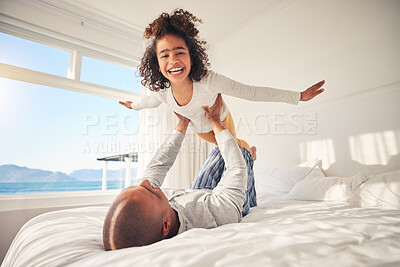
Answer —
51 138
121 78
32 55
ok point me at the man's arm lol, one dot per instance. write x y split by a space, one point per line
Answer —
234 179
165 157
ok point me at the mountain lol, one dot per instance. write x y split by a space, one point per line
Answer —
17 174
97 175
59 177
87 174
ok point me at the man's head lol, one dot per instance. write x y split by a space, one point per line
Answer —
139 216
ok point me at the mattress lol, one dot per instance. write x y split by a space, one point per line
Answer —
276 233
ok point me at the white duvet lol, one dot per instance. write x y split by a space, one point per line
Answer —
280 233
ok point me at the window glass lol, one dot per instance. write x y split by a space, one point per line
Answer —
51 139
98 72
32 55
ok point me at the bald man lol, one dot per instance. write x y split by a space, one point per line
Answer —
142 214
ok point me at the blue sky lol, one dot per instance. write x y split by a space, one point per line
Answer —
47 128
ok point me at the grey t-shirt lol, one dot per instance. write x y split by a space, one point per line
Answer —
201 208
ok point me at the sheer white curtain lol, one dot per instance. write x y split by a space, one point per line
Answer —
157 124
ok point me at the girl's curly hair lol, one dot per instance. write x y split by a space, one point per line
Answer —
180 23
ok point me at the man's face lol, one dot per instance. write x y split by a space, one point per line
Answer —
152 199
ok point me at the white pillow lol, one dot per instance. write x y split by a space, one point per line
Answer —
318 187
281 180
379 191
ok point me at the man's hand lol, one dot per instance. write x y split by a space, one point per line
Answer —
213 114
126 104
312 91
182 124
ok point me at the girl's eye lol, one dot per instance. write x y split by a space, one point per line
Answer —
164 56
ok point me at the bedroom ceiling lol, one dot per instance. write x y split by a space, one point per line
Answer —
220 18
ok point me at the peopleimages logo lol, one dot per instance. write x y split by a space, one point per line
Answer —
110 124
124 147
294 123
113 133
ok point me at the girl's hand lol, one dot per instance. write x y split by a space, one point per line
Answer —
126 104
312 92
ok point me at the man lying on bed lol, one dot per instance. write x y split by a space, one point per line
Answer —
143 214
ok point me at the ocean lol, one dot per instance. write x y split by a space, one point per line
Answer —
42 187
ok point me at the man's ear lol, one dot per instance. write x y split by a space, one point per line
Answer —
166 227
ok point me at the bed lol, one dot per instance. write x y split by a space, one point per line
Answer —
355 222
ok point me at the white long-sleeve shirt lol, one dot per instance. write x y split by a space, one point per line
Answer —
205 93
202 208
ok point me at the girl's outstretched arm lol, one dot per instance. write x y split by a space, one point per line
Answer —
150 101
221 84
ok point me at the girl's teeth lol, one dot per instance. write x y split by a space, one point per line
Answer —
175 70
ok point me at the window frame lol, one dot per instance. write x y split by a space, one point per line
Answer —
77 48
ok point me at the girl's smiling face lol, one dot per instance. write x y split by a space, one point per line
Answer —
174 59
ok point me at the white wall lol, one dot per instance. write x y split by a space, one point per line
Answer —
354 46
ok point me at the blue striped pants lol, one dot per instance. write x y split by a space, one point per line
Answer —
211 172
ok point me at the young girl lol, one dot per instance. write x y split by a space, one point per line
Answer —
175 66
